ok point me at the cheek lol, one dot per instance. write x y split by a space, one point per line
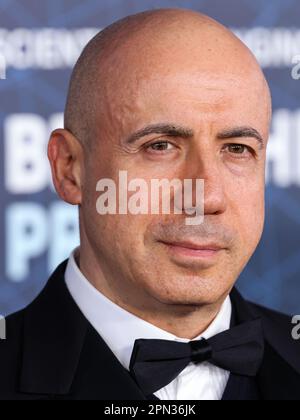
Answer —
122 235
248 208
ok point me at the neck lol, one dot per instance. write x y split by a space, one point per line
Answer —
183 321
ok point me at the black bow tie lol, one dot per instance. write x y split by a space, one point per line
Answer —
156 363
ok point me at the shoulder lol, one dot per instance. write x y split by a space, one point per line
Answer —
272 316
279 330
40 307
10 352
12 328
276 324
16 333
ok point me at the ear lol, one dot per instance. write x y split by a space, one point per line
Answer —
65 154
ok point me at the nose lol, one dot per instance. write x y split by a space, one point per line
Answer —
206 166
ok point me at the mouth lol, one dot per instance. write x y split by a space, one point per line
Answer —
194 250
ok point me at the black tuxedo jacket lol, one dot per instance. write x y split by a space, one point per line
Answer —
52 352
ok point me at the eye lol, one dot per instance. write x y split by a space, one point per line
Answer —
239 149
160 146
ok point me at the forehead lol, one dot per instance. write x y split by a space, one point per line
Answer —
194 74
189 97
207 91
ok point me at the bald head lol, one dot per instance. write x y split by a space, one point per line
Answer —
147 45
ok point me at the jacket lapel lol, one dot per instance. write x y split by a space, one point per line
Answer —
64 356
279 375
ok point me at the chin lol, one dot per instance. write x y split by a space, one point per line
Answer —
191 291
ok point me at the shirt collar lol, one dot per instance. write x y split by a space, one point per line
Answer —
120 328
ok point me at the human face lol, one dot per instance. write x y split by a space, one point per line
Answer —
226 114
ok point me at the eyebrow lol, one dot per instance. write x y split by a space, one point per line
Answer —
242 132
168 129
187 133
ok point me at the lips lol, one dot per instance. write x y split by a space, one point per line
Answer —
194 246
187 251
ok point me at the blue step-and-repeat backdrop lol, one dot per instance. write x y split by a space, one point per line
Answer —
40 41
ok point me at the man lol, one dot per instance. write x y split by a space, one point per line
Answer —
146 308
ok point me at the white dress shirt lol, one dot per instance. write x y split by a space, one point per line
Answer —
119 329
